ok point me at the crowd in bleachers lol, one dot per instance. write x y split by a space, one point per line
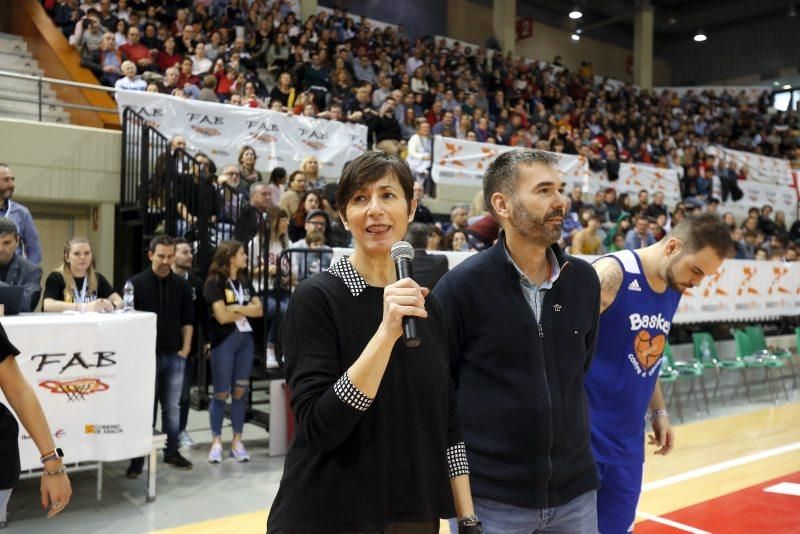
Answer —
407 90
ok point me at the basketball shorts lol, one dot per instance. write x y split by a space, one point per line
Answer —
620 486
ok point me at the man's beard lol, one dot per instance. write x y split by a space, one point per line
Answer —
535 229
670 277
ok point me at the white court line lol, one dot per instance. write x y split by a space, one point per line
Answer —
785 488
722 466
669 523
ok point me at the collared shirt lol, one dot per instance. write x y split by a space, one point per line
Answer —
535 294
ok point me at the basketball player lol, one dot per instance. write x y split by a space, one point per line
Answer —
639 293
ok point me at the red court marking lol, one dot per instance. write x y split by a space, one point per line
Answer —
747 511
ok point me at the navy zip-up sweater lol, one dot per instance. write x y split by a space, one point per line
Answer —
520 394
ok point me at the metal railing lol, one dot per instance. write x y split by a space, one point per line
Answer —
43 102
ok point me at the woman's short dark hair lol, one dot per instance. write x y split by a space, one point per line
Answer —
370 167
277 176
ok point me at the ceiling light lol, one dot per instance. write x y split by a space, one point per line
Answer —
576 37
575 14
672 20
579 31
792 12
700 37
776 83
787 86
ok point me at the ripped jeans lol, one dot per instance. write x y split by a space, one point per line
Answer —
231 363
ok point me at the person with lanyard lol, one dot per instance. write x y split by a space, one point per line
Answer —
378 445
159 290
639 293
54 486
233 301
183 268
28 235
76 286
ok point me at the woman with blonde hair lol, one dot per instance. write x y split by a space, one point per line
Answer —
310 168
247 165
76 286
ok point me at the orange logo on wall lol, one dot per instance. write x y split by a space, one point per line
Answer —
744 286
648 349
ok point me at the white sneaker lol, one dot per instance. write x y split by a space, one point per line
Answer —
185 440
272 361
215 454
239 453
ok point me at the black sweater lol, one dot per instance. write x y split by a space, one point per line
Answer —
349 469
520 396
170 298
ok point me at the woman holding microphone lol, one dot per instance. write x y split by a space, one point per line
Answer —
378 445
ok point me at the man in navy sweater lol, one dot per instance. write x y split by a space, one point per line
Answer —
523 322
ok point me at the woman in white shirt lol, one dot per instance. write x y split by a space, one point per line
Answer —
200 63
420 148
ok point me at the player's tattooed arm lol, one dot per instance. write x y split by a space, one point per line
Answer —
610 274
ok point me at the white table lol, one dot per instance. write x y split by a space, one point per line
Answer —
94 375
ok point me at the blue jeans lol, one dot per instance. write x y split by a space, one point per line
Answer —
169 383
272 335
188 378
231 364
578 516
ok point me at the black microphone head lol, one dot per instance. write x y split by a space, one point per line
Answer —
402 249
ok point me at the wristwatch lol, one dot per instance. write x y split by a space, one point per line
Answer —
58 453
469 524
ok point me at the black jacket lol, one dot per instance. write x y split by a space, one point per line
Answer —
520 390
22 272
429 268
170 298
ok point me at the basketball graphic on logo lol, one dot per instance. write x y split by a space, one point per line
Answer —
649 349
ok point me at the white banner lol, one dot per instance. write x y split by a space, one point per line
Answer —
460 162
280 140
742 290
762 169
94 375
756 195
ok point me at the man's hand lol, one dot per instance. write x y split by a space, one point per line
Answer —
183 353
662 437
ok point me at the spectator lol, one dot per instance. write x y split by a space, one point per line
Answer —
435 238
93 34
310 168
159 290
456 241
233 301
168 57
104 62
363 70
641 207
277 179
428 268
207 92
170 82
247 165
290 199
16 270
136 51
130 82
278 243
657 208
446 127
253 217
422 214
20 215
420 149
587 242
639 236
182 266
386 129
765 223
311 202
458 219
308 264
200 63
612 211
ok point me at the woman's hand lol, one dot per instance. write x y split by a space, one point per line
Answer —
55 491
100 305
400 299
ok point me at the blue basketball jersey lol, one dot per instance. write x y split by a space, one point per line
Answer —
623 374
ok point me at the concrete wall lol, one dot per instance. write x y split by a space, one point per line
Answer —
69 178
471 21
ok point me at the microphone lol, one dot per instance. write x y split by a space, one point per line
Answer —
403 256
